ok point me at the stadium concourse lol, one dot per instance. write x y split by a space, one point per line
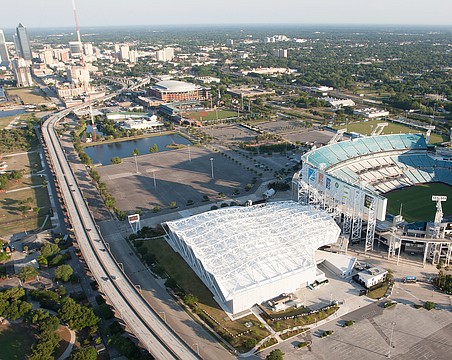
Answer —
349 179
246 255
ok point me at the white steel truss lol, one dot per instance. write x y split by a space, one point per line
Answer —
371 222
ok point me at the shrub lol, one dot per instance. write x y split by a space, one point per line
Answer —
348 323
156 209
429 305
214 207
173 205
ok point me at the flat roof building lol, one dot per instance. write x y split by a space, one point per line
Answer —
172 90
247 255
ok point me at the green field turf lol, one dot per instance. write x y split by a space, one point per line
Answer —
210 115
366 127
417 201
15 342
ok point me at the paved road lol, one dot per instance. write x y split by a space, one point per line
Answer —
146 325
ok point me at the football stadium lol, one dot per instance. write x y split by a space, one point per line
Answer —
353 179
246 255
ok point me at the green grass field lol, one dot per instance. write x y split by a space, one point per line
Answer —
15 342
417 201
210 115
366 128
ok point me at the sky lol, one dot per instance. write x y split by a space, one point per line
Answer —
58 13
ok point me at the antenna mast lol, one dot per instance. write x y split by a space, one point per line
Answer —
79 39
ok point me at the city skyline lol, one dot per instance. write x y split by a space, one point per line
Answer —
178 12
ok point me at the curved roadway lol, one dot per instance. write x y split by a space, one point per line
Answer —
141 319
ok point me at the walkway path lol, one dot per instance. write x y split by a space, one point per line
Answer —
24 188
67 352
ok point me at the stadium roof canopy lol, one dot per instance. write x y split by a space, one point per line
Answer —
245 247
175 86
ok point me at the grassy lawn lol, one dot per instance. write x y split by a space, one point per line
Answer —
279 325
210 115
4 121
15 342
366 128
378 293
28 162
32 96
417 201
177 268
11 218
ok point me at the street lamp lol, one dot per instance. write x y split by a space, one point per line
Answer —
136 163
390 340
163 315
189 155
153 175
211 166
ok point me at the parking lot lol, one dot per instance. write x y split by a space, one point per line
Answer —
410 334
180 176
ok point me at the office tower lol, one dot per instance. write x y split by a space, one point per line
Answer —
229 42
167 54
47 56
78 75
76 48
23 41
133 56
124 52
22 73
280 53
88 49
4 56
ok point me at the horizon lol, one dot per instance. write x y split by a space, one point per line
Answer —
58 13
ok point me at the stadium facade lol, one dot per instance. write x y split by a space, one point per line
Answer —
348 179
246 255
172 90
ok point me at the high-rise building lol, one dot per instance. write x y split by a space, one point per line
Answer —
23 41
76 48
229 42
166 54
133 56
22 72
88 49
124 52
47 56
78 75
280 53
4 56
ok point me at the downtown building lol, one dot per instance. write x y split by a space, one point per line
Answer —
22 42
22 72
4 56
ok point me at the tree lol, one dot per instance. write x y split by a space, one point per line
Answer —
49 249
275 355
116 160
135 152
88 353
27 272
76 316
63 272
153 149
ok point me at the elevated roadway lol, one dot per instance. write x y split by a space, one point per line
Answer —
141 319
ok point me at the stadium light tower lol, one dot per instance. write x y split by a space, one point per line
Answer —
439 215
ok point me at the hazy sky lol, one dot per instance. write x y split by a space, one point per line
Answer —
52 13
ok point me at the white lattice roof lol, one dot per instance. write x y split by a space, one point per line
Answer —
243 247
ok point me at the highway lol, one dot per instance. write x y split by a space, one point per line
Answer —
140 318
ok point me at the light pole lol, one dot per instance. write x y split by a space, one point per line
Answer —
211 166
189 155
163 315
390 340
136 163
197 348
153 175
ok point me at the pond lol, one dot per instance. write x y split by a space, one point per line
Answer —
6 113
102 154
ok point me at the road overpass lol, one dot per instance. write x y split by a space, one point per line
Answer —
140 318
